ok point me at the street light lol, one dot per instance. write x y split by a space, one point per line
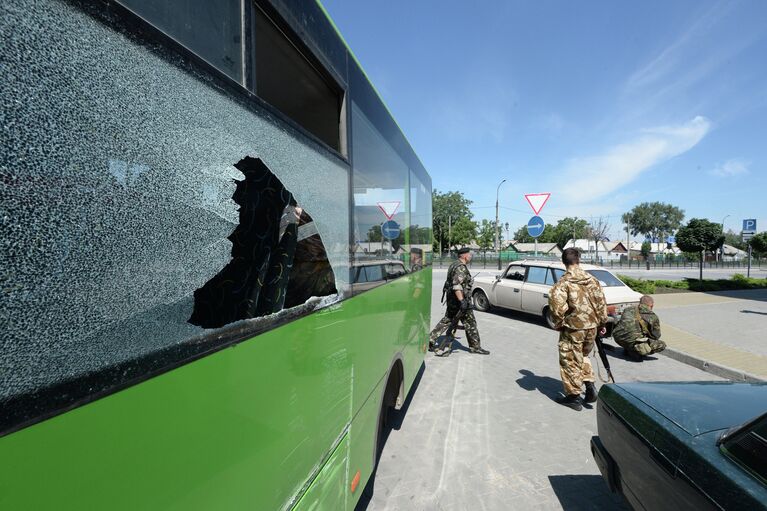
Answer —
497 252
721 250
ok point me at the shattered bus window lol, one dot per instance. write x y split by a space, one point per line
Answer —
265 244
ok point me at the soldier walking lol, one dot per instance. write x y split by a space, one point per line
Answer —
457 290
578 308
638 330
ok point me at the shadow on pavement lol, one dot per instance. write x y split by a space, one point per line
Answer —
546 385
582 492
759 295
744 311
618 352
519 316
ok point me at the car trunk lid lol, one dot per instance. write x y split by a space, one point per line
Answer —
702 407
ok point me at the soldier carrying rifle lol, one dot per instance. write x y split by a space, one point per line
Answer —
457 291
578 307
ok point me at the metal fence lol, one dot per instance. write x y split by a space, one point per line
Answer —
490 261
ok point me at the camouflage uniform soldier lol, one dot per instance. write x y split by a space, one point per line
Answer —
578 308
458 291
638 330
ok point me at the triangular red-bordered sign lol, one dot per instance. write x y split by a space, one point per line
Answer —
537 201
389 209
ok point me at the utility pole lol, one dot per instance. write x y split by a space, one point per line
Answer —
721 249
628 241
449 233
497 252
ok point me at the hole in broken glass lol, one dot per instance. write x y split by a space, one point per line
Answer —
278 258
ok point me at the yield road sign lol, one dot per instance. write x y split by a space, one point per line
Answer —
749 225
535 226
390 230
537 201
389 209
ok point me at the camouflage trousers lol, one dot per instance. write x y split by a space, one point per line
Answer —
645 347
469 325
574 364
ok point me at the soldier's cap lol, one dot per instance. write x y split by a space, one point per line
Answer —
463 250
416 250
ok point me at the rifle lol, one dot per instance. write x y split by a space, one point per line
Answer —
603 355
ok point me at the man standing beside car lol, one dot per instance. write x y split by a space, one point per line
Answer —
457 291
578 308
638 330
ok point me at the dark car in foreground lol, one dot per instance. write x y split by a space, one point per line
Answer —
684 446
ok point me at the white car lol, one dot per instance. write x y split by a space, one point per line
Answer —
525 285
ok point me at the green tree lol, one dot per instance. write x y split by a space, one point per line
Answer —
759 244
654 220
486 235
463 232
733 239
568 228
447 208
700 235
646 249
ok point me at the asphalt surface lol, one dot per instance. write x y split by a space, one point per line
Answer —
483 432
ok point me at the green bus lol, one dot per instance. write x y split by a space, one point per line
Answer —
215 268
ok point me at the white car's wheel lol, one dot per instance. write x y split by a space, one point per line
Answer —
481 303
548 318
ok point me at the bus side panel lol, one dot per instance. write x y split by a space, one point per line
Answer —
246 427
390 322
328 490
421 311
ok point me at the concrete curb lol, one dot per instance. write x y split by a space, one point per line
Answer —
711 367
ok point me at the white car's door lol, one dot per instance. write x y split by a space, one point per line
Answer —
535 291
508 289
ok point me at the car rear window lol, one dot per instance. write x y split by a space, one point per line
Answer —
606 279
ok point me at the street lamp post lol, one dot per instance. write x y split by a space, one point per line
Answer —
721 249
497 251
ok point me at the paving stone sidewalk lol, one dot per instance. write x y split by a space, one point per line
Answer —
485 433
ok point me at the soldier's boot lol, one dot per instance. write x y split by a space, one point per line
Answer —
591 392
479 350
572 401
432 346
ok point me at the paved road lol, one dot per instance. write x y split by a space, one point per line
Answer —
485 433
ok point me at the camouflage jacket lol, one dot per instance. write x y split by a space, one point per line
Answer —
458 279
637 322
577 302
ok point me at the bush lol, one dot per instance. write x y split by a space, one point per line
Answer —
646 287
737 281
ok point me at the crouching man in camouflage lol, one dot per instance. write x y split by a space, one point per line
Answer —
457 290
578 308
638 330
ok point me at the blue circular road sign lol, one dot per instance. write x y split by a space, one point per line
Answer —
390 230
535 226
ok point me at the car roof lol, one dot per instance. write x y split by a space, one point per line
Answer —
553 264
374 262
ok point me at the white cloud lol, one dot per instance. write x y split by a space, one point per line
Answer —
586 179
732 167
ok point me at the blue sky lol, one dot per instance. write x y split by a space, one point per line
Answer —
604 104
